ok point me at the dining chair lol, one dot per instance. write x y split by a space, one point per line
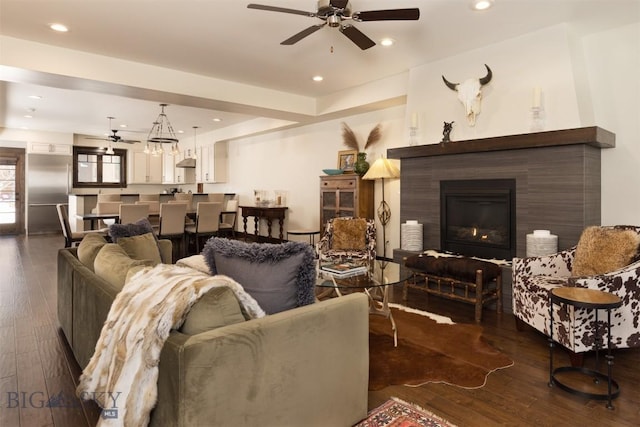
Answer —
229 217
108 208
206 225
172 216
71 237
154 212
184 197
132 212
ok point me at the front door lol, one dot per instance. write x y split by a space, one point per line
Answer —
12 209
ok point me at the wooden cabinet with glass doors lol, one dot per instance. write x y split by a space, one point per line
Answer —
345 196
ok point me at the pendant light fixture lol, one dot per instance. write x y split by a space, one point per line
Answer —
162 133
193 155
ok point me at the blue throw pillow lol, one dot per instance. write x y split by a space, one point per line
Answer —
278 276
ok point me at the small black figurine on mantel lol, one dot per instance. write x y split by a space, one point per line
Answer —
447 131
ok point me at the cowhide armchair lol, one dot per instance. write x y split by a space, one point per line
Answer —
348 238
535 277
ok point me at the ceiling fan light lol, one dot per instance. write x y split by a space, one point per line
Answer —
481 4
387 42
109 150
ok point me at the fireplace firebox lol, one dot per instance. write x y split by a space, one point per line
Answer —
478 217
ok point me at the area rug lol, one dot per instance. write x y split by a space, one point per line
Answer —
397 413
429 351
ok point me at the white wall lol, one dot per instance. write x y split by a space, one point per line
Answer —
293 160
613 61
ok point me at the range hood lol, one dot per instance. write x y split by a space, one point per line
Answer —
186 163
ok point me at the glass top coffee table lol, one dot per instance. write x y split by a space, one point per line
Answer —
375 284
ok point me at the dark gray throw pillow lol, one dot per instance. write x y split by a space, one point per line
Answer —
278 276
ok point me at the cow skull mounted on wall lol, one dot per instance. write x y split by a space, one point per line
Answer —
469 93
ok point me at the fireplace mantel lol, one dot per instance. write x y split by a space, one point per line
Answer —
592 136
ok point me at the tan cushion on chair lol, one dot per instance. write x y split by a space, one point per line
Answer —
89 247
349 234
602 250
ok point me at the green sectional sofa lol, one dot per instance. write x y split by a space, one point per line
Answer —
306 366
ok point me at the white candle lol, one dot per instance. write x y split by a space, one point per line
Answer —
414 120
537 95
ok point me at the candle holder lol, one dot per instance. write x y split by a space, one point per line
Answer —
537 119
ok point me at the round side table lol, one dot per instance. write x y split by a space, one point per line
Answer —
310 233
594 300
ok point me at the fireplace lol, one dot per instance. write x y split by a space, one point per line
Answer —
478 217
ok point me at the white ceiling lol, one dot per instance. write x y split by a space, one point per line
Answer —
225 40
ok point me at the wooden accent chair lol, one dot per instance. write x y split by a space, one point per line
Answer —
71 237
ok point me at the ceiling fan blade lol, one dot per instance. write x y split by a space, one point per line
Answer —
98 138
302 34
128 141
357 36
388 15
280 9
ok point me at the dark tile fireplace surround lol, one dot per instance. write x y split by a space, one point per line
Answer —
556 174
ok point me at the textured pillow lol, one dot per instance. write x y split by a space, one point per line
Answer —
112 264
89 248
279 277
142 226
143 246
349 234
602 250
218 307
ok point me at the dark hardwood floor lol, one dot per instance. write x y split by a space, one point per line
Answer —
36 366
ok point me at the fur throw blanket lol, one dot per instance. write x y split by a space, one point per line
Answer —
123 371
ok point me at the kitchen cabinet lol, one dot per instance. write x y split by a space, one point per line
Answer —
345 195
168 168
211 164
147 169
45 148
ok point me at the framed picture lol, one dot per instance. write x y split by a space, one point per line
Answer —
346 160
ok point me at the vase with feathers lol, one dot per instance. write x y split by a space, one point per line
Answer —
361 165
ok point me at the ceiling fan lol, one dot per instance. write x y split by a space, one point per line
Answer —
334 12
114 137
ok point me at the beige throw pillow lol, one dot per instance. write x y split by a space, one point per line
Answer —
89 247
603 250
218 307
143 246
112 264
349 234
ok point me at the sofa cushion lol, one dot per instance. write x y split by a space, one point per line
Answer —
278 276
602 250
144 246
112 264
218 307
89 248
142 226
349 234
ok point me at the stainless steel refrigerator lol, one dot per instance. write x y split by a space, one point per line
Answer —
48 183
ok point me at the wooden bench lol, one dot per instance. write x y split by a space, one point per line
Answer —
458 278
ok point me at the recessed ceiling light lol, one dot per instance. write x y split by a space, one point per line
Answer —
24 127
59 28
28 116
123 125
318 78
180 131
387 42
217 119
35 96
481 4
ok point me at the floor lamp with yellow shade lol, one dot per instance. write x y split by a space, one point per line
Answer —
383 169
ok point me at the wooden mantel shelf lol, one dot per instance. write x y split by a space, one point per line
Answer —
593 136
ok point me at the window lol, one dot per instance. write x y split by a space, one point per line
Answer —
92 167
